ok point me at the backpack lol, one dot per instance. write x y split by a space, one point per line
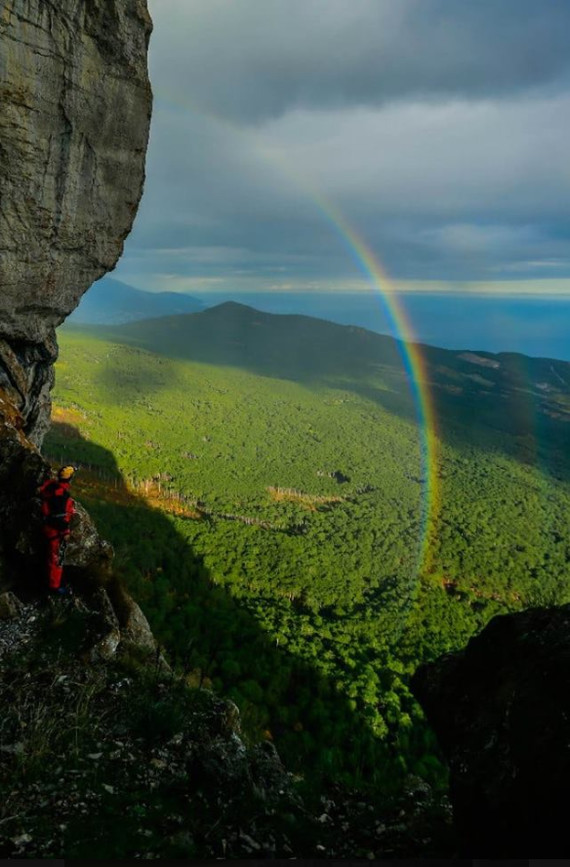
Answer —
55 506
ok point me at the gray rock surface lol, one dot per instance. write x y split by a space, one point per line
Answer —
107 630
74 124
75 111
10 606
135 628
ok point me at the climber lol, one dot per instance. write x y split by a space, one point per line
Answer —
57 509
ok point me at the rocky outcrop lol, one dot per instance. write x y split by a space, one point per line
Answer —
90 734
22 558
92 731
74 127
10 606
501 710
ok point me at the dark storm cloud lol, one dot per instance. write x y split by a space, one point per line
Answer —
438 128
255 59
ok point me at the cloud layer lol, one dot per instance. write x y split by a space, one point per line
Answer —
257 59
438 128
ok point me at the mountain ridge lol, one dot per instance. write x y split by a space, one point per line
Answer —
304 348
236 307
112 302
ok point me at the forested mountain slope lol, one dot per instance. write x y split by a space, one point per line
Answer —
508 392
286 452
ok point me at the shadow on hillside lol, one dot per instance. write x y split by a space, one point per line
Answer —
212 638
505 417
296 348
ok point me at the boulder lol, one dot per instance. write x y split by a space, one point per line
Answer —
104 634
501 711
10 606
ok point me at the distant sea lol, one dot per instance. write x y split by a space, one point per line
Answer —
533 326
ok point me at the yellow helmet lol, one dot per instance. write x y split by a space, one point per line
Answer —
65 473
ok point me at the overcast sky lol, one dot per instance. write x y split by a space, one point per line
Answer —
440 129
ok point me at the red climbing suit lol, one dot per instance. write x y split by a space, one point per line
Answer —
57 509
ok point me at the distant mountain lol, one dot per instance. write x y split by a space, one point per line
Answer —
303 347
286 346
110 302
505 392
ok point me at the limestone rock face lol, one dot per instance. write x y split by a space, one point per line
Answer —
501 710
74 125
75 112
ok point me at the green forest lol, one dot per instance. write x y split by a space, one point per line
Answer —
261 480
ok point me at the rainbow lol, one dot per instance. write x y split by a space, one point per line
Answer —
415 368
387 293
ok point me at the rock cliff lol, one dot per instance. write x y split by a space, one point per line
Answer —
74 125
76 105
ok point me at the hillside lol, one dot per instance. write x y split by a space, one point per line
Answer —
508 392
285 452
112 302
